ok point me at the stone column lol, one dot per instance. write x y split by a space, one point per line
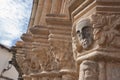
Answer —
60 43
46 10
41 47
60 35
56 6
43 8
39 12
32 17
95 38
64 8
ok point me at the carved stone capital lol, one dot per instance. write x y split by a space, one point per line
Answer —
62 54
104 33
106 30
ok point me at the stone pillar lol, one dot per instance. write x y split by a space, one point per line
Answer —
60 43
95 38
46 10
41 47
64 8
59 9
56 6
39 12
60 35
43 8
32 17
46 56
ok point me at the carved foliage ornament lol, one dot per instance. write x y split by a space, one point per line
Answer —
106 28
62 54
98 30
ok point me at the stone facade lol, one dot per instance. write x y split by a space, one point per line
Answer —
71 40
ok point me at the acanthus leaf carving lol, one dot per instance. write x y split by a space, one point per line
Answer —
105 28
97 31
62 54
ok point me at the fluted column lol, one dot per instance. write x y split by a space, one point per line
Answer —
39 12
64 7
99 58
34 8
46 10
56 6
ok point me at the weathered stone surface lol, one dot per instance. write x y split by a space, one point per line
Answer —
71 40
88 70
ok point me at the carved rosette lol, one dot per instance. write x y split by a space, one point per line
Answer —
106 30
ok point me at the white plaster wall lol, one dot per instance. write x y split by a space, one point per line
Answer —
12 73
5 57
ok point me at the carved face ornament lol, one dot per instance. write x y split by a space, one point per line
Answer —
84 33
89 70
